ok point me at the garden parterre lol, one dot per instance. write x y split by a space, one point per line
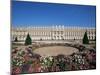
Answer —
25 61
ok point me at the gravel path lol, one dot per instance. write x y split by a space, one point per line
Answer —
55 50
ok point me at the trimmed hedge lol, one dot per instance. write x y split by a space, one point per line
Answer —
28 40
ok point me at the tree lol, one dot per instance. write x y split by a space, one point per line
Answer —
74 38
16 40
95 38
28 40
85 39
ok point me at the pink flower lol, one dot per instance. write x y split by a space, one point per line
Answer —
30 69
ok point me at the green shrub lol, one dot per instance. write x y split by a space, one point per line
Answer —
28 40
85 39
16 40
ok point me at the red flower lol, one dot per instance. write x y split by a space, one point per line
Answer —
37 68
17 70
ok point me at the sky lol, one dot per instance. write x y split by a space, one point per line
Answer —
48 14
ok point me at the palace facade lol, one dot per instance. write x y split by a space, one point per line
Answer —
53 33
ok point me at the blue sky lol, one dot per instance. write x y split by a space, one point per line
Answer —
46 14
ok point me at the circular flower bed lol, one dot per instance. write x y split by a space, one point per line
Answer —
25 61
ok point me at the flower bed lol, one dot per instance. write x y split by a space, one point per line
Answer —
25 61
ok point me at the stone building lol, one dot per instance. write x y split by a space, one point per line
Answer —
53 33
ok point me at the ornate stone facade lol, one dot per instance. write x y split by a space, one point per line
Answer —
53 33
